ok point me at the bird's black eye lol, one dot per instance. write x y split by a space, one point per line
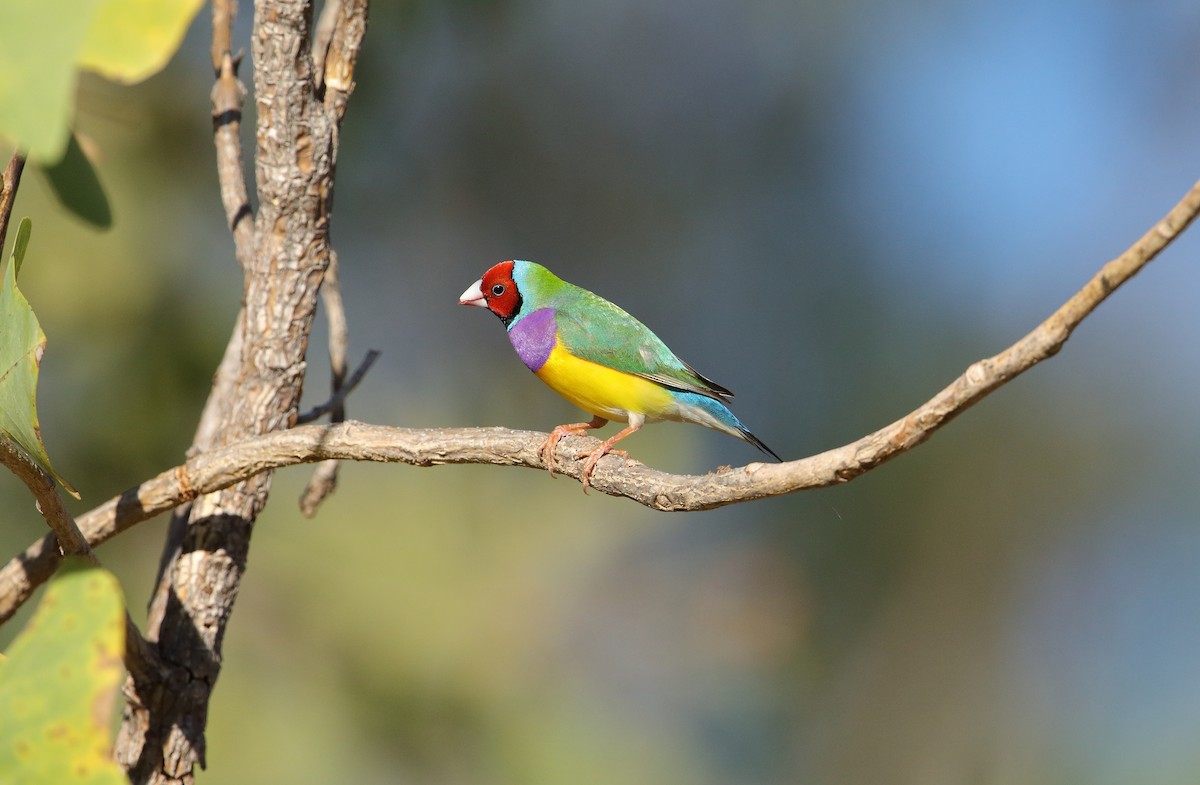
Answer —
498 290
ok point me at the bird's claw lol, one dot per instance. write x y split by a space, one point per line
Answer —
589 465
546 451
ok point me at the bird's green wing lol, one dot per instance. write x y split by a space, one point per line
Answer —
593 329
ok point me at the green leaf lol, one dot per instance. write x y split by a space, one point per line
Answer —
20 245
22 343
39 44
58 685
78 188
43 42
133 39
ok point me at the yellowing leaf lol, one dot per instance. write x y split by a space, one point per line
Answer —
58 685
39 42
22 343
133 39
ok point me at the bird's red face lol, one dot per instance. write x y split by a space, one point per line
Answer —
496 291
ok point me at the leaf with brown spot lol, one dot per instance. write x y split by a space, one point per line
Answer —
58 685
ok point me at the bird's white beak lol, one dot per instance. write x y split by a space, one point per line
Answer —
473 295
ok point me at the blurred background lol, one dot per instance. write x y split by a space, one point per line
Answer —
830 207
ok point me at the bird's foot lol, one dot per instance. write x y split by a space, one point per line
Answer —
546 451
589 465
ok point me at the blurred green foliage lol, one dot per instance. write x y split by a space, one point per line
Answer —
39 40
44 42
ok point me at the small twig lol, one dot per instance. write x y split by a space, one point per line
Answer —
44 488
348 27
335 47
228 96
324 479
224 12
339 332
339 397
8 191
322 34
322 483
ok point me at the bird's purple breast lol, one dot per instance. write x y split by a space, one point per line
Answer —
533 337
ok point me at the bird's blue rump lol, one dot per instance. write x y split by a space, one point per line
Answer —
711 413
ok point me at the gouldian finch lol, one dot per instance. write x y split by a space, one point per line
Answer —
599 358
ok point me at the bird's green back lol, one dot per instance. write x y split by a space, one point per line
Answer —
596 330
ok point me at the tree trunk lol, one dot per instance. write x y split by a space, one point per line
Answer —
162 736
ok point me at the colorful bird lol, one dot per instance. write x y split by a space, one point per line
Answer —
599 358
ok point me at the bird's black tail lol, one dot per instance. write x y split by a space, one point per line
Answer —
759 443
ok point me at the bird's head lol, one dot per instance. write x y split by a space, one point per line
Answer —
496 291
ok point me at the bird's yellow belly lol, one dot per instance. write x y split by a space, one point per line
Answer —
603 391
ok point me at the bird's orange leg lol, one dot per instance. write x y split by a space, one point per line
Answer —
604 449
574 429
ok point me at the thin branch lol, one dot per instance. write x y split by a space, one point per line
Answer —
322 34
8 191
341 54
335 46
324 478
322 483
228 96
338 398
224 12
614 475
44 488
339 333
